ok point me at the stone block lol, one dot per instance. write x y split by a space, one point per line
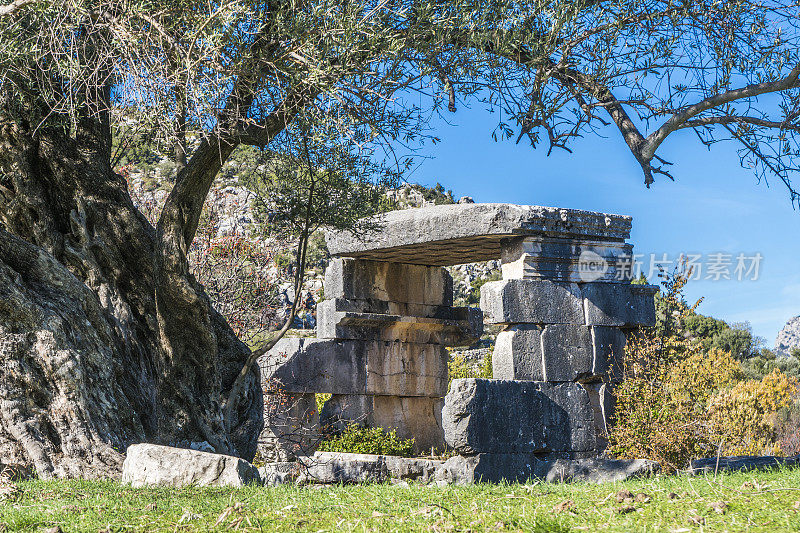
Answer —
355 367
394 282
643 309
566 260
558 352
741 463
595 470
336 467
411 468
344 468
279 473
488 468
467 233
519 468
609 352
619 304
568 352
291 427
518 353
406 369
298 365
150 464
498 416
531 301
464 328
419 418
603 406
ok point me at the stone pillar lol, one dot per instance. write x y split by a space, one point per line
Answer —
380 350
565 307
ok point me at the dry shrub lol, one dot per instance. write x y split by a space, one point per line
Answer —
744 416
679 400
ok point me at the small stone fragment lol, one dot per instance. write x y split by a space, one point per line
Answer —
565 506
695 519
641 497
719 507
624 495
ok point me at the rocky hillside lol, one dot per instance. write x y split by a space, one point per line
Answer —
789 337
230 216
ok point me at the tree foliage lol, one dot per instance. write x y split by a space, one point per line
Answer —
244 70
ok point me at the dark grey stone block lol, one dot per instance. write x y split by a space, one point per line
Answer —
619 304
558 352
603 404
609 352
498 416
643 309
518 353
519 468
518 301
568 352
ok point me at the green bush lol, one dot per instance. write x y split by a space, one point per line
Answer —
458 367
357 439
686 392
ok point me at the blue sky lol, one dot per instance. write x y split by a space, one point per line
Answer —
713 206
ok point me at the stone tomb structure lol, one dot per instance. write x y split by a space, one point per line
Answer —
382 333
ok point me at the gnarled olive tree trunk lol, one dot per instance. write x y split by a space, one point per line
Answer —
106 339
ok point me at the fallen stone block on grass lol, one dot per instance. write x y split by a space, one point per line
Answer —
151 464
519 468
741 463
596 470
354 468
280 473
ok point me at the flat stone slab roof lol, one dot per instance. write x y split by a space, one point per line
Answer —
465 233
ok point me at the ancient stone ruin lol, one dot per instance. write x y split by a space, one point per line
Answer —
564 302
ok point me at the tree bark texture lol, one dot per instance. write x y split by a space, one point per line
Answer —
106 339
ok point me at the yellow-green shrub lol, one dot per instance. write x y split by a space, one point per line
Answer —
681 399
357 439
459 367
743 416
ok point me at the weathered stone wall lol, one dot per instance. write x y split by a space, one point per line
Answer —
565 306
380 351
565 302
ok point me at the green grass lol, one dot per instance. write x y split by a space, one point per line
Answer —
755 502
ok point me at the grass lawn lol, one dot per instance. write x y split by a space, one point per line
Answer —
767 501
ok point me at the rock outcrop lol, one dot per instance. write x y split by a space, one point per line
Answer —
789 337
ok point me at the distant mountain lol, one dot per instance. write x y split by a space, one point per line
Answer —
789 337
